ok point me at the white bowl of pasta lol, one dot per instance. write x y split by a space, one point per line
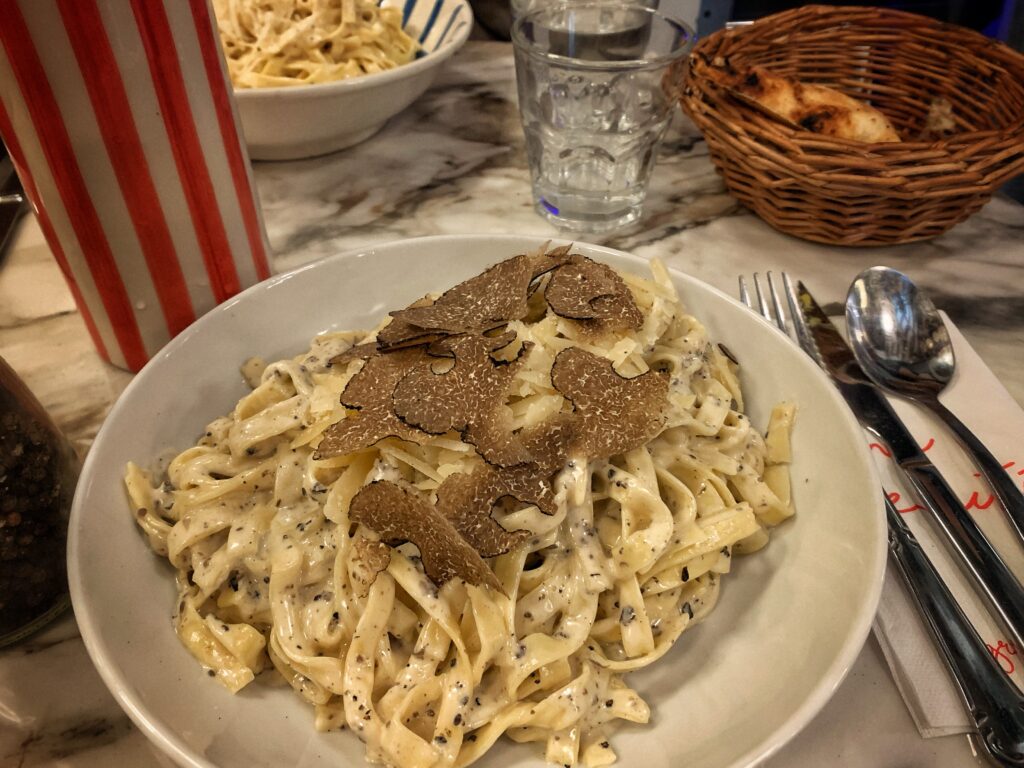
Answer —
310 80
637 548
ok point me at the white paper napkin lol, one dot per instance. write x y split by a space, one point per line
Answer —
984 405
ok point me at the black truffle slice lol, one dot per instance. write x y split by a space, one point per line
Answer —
356 352
575 286
482 303
467 398
369 558
614 314
369 393
542 263
467 499
487 301
398 514
549 441
478 305
398 334
612 414
587 291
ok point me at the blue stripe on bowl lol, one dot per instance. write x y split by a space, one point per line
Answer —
448 27
430 21
433 22
407 11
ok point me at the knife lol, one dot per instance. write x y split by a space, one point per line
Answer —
979 560
992 700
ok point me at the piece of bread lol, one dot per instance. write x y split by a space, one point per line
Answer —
940 122
814 108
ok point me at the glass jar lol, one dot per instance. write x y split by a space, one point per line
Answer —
38 470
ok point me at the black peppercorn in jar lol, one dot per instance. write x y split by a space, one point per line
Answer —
37 479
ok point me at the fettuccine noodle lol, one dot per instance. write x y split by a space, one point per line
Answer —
269 566
296 42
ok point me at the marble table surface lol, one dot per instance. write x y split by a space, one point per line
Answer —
454 162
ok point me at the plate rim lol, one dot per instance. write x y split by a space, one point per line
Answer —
169 742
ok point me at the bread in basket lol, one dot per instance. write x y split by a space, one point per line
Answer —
909 67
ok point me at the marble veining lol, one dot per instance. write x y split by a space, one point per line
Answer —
474 178
454 162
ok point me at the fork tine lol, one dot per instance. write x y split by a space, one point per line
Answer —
803 333
800 328
762 305
780 315
744 293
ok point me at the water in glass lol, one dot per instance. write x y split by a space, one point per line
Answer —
594 103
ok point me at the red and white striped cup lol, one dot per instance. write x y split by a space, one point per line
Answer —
119 119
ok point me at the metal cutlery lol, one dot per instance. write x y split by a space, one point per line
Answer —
980 561
902 344
993 702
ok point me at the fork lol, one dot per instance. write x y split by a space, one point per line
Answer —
993 702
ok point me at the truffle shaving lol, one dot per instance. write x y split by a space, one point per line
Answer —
542 263
574 287
612 414
398 514
469 397
614 314
548 442
369 393
468 499
588 291
482 303
399 334
369 558
356 352
487 301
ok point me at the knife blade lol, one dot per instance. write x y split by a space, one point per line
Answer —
979 560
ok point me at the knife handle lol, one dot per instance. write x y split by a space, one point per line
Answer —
992 700
1002 484
990 574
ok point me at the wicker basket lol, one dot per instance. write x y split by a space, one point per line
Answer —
846 192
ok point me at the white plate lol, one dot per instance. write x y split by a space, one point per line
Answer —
789 624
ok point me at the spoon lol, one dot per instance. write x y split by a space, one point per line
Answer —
902 344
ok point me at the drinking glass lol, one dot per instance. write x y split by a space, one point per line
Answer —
521 7
595 96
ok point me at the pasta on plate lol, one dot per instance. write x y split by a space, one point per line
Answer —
300 42
474 520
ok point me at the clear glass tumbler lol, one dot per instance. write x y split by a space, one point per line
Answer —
595 96
521 7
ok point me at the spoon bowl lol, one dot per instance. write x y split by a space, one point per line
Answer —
901 343
897 334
